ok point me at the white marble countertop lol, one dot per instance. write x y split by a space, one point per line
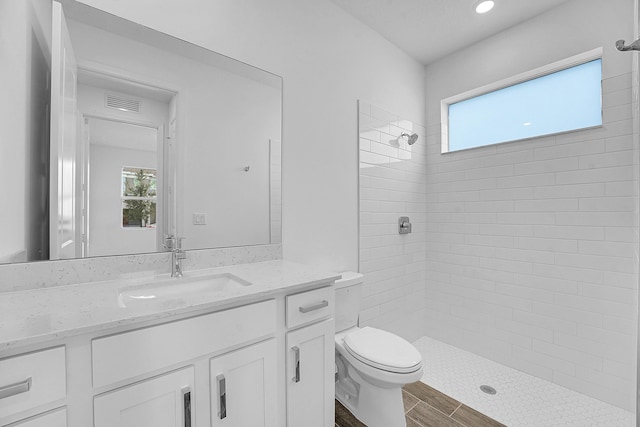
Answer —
39 316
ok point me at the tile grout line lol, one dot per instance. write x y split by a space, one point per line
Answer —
414 405
433 407
453 419
454 411
436 409
414 420
408 410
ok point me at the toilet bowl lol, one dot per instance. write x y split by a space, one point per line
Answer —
372 365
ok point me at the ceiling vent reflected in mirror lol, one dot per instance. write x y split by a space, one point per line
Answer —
122 103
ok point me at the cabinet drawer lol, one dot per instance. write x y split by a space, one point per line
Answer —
126 355
57 418
30 380
309 306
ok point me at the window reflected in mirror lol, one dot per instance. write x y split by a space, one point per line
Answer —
138 198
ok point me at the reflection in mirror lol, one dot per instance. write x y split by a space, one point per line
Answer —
124 126
149 136
122 214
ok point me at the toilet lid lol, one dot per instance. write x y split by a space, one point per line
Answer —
383 350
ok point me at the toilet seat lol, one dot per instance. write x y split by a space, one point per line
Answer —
383 350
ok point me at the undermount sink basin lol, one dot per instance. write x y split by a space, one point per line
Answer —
174 288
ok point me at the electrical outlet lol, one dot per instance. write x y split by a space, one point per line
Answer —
199 219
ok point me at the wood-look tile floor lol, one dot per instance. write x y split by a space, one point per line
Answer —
425 406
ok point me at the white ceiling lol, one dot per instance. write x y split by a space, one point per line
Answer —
431 29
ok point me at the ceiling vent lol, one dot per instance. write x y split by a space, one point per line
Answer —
122 103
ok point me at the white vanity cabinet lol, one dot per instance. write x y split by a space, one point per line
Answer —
184 347
262 361
162 401
310 358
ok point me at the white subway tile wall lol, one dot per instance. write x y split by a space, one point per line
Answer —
531 250
392 184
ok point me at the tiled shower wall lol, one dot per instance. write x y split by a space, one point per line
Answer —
392 184
532 251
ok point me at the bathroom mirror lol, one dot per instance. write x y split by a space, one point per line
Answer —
135 136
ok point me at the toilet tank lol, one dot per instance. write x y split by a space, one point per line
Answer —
348 298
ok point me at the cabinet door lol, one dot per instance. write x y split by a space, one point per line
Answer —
310 374
244 387
163 401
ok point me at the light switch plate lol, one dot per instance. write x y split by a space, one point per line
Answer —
199 219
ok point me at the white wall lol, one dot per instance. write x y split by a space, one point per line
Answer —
25 46
392 184
531 253
328 60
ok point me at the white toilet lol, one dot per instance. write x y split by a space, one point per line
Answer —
372 364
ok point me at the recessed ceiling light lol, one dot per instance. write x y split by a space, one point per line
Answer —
483 6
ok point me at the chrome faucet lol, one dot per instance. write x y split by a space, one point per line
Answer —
177 255
174 244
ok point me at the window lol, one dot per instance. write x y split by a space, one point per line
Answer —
138 198
562 97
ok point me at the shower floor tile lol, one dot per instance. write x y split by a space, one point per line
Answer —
522 400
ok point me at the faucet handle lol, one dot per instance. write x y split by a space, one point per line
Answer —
169 240
178 242
172 242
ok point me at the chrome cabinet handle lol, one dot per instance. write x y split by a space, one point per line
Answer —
313 307
222 396
186 402
296 362
17 388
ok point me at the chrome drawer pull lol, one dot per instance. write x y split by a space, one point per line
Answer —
186 402
222 396
17 388
313 307
296 364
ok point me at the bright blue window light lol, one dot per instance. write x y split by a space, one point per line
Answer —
563 101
